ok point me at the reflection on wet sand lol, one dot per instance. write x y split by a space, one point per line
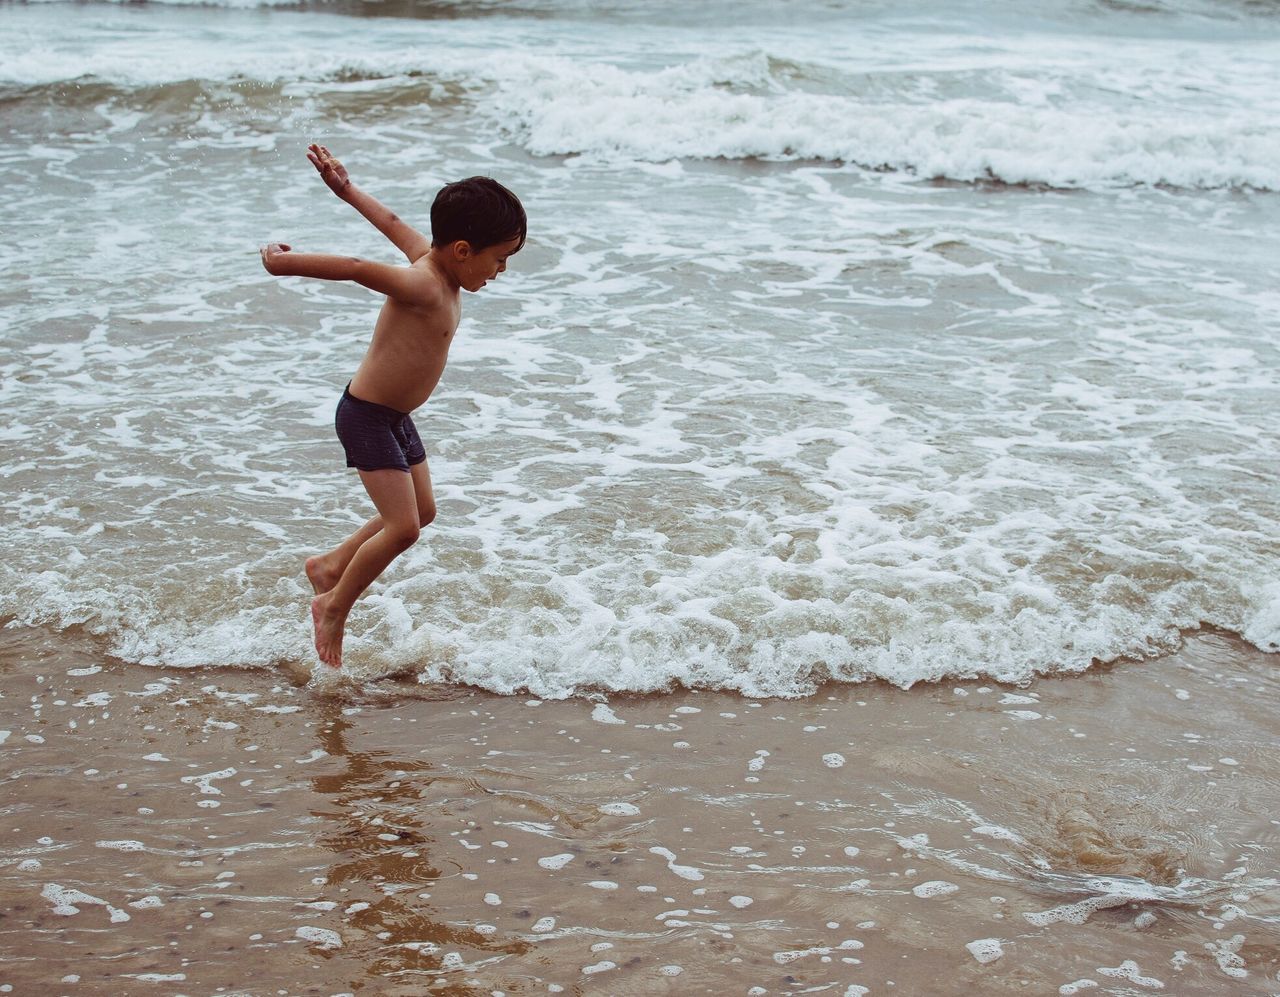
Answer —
381 821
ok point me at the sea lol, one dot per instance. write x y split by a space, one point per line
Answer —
853 340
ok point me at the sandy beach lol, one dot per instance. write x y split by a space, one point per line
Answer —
228 831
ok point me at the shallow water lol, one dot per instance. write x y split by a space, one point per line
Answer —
859 345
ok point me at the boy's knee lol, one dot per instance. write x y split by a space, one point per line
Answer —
426 514
403 535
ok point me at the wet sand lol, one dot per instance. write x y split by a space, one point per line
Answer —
173 831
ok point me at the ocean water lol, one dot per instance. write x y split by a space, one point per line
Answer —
851 340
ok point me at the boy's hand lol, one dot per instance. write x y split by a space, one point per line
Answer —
273 258
332 172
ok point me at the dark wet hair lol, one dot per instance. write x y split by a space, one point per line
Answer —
479 210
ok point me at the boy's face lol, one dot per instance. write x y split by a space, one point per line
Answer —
478 268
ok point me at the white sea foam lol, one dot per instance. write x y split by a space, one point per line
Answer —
986 950
1078 912
602 714
688 111
68 901
747 428
205 782
683 871
324 938
934 888
1131 971
123 846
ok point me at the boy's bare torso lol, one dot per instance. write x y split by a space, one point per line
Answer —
410 346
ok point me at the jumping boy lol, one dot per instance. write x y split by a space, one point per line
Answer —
476 225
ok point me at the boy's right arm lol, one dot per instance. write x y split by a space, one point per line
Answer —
403 236
410 285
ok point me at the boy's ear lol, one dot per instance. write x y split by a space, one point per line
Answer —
461 249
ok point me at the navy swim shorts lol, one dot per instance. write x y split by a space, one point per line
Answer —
376 437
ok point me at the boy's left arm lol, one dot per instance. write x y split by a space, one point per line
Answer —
403 236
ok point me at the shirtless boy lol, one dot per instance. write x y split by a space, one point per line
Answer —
476 225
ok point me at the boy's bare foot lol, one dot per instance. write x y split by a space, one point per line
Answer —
328 630
320 577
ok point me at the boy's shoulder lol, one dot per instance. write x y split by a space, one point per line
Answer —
433 290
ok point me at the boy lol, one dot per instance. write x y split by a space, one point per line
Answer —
476 225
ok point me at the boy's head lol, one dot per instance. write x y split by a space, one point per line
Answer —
479 211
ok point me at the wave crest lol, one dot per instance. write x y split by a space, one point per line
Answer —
743 111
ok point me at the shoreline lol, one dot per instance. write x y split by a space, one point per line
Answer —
1091 828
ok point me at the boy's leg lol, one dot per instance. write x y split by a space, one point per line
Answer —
422 492
395 497
324 570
